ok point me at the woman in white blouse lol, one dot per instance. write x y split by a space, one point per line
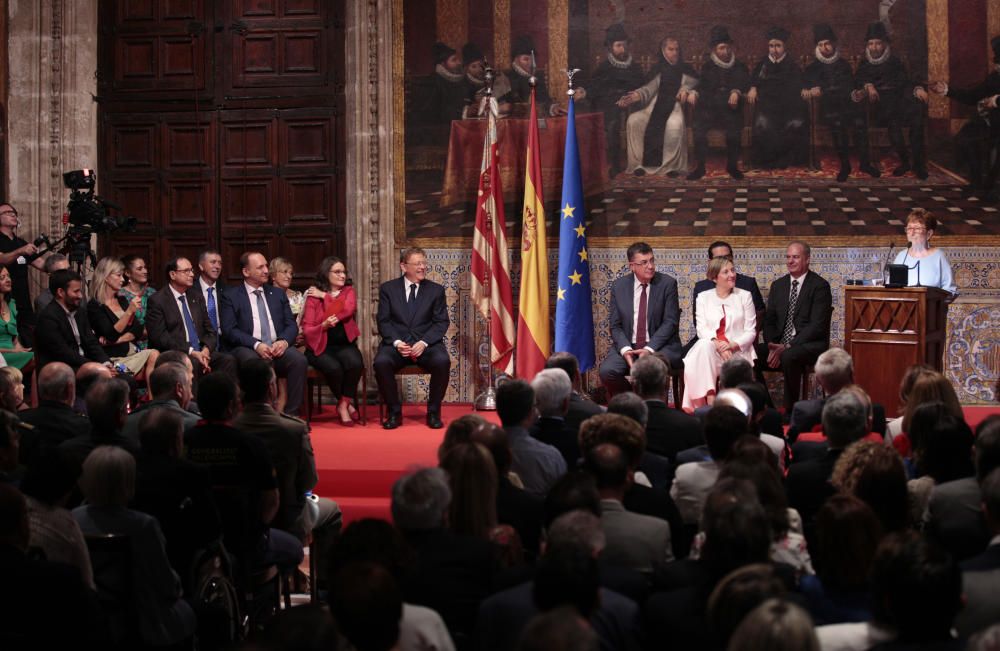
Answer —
726 325
928 265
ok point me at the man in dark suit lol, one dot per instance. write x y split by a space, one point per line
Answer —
580 407
668 431
720 249
54 420
209 270
257 322
176 319
412 321
552 391
171 388
796 323
644 318
63 333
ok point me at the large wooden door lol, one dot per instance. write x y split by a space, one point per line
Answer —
221 125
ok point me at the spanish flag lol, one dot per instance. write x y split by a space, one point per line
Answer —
534 343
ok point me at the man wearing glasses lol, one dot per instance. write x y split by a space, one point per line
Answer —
16 255
644 319
177 319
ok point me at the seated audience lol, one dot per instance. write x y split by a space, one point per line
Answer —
668 431
368 604
108 484
136 276
107 404
11 389
87 376
739 593
559 629
53 262
171 387
927 387
581 407
980 573
331 334
778 625
459 431
847 534
10 447
654 470
114 322
894 427
53 420
942 452
875 474
472 479
553 389
282 273
14 354
537 464
177 357
63 333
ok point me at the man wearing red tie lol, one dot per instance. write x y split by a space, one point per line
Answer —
644 319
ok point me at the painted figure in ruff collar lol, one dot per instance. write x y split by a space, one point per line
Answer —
520 73
615 76
780 125
980 136
445 97
724 81
830 79
893 98
657 136
474 63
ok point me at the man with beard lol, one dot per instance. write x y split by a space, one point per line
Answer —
614 77
830 79
723 82
780 137
981 134
521 70
475 83
657 138
445 97
895 100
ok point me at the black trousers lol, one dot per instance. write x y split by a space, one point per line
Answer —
793 364
292 366
435 361
727 119
341 365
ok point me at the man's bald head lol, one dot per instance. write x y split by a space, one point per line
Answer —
56 382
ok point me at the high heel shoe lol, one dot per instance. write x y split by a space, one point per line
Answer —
355 416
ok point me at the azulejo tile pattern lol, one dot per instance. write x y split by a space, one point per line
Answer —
972 358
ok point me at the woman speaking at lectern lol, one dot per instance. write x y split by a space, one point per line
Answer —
928 266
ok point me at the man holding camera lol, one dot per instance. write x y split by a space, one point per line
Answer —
16 255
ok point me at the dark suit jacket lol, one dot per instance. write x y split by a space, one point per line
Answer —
54 423
808 486
580 409
429 321
668 431
165 323
54 340
236 316
521 510
557 433
662 310
748 283
814 308
807 414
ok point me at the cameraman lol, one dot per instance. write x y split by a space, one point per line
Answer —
16 255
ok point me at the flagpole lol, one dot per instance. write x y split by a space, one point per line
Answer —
487 400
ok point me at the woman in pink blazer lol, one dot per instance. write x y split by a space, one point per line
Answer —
331 334
727 326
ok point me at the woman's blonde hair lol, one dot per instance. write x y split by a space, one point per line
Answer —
716 265
105 267
277 264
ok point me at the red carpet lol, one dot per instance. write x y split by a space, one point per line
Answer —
358 465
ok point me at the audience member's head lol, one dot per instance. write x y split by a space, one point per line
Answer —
767 481
210 266
66 286
650 375
737 399
494 438
14 529
631 405
987 446
11 388
217 397
907 381
617 429
86 376
916 588
172 357
866 400
473 480
51 478
459 431
931 387
757 394
552 388
371 540
568 363
834 370
161 432
847 535
607 463
56 383
776 625
734 372
576 527
845 420
55 262
723 426
515 403
171 382
309 627
942 444
875 473
576 490
107 407
108 477
257 381
737 531
566 575
560 629
367 605
737 594
420 500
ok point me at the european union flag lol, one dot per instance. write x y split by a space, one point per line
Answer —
574 314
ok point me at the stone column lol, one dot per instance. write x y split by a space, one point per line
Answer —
52 59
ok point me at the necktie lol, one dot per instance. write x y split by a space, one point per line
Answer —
265 329
786 334
193 340
411 302
640 321
213 315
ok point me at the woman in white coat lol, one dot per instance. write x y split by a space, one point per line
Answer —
727 326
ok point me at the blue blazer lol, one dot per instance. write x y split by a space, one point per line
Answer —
236 316
429 322
662 311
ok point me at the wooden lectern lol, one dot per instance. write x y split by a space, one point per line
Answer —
888 330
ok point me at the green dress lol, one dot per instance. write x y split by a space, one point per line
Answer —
8 330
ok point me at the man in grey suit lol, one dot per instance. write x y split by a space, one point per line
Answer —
639 542
644 318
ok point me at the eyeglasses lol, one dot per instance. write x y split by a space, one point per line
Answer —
189 270
8 212
644 263
915 229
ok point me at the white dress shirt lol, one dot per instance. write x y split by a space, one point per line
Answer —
636 295
215 295
177 301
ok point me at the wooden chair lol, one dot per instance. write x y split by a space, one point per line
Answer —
314 389
411 369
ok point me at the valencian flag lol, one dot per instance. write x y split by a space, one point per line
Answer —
574 316
534 343
491 290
